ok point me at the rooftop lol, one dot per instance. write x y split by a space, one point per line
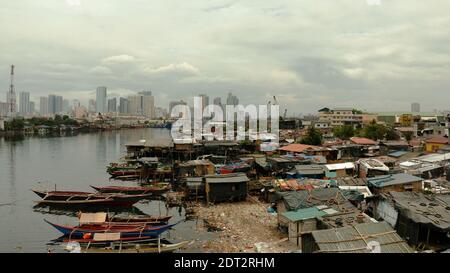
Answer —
393 179
363 141
437 140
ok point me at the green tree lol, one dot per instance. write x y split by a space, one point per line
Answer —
408 135
391 134
16 124
374 131
344 131
312 137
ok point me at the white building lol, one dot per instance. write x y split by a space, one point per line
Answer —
43 106
24 103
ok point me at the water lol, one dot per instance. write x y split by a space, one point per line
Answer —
72 163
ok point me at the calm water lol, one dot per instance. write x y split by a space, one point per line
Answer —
72 163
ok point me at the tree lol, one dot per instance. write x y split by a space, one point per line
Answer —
344 131
15 125
312 137
408 135
374 131
391 134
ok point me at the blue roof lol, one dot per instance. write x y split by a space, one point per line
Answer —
398 153
303 214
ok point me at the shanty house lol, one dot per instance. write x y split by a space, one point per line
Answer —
421 219
226 187
195 168
434 144
395 182
307 171
360 238
340 169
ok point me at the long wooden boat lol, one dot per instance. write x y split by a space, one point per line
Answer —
86 198
122 189
136 248
125 230
140 219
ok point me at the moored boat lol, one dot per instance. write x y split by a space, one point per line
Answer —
122 189
86 198
86 230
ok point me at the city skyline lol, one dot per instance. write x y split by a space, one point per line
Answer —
373 54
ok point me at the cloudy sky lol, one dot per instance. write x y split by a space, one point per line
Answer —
309 53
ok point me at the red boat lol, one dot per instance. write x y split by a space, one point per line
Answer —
87 198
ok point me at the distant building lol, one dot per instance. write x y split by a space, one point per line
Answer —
160 113
43 106
65 106
76 103
232 100
3 109
345 116
32 107
112 105
142 104
204 101
172 105
55 104
91 106
415 107
80 112
24 103
100 100
123 106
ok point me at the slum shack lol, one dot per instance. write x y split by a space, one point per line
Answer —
194 187
224 148
361 238
428 171
395 182
300 222
161 148
307 171
424 220
284 163
340 170
195 168
226 187
295 200
371 167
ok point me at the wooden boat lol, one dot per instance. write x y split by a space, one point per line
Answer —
124 190
86 198
125 173
140 219
121 247
157 188
127 230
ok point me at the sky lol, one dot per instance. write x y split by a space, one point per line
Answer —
375 55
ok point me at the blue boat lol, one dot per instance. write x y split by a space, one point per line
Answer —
126 230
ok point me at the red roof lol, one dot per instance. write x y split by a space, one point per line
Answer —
363 141
438 140
298 148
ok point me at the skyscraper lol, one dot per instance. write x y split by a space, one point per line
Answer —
123 106
415 107
91 106
24 103
232 100
31 107
55 104
65 106
172 104
100 100
142 104
43 106
112 105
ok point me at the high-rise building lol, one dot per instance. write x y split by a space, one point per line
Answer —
43 106
55 104
112 105
205 101
91 106
415 107
76 103
100 100
24 103
172 104
123 106
32 107
134 105
65 106
148 104
3 109
217 101
232 100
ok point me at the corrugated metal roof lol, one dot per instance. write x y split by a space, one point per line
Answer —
355 239
309 169
398 153
303 214
227 178
393 179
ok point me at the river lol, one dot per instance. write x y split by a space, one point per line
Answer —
70 163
